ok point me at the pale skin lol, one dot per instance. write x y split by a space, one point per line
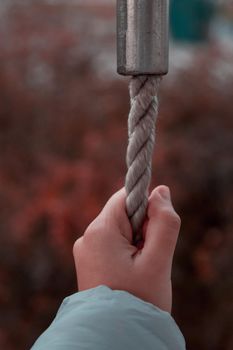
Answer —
105 255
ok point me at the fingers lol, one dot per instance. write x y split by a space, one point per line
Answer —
113 216
162 229
115 212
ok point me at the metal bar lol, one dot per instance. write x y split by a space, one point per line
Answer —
142 37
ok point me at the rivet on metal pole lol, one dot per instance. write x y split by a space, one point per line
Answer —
142 37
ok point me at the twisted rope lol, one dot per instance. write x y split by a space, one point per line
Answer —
141 132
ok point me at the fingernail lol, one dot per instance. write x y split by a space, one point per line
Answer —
164 192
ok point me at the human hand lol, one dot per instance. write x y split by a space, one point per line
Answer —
105 254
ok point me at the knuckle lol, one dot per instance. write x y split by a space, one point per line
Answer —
165 212
169 216
88 235
176 220
93 231
78 246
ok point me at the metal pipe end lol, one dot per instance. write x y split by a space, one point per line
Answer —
142 37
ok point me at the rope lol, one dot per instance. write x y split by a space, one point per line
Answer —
141 131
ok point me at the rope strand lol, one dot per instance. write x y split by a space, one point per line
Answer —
141 132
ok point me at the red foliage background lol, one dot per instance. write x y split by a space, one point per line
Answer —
63 137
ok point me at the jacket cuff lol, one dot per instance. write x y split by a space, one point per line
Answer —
101 318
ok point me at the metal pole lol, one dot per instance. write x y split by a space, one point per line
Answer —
142 37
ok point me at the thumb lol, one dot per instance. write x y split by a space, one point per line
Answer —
162 230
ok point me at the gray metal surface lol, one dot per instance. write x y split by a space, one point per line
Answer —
142 37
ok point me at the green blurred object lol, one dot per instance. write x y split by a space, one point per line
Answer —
190 19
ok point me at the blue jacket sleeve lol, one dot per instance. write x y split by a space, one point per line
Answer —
103 319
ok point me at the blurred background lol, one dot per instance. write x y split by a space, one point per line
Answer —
63 139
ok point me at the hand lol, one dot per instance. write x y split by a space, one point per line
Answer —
105 254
